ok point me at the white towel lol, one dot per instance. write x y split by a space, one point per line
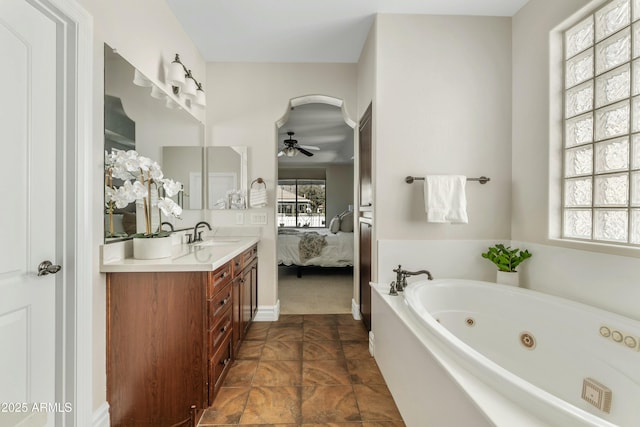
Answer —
258 197
445 199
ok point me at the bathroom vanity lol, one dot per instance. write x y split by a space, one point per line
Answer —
174 326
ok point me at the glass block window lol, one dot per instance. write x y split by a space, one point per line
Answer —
601 167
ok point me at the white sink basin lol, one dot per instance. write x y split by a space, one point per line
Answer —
216 243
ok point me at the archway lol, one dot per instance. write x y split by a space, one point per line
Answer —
314 209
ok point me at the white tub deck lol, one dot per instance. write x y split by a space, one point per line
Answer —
439 383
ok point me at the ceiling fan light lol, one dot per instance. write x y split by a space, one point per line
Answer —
290 152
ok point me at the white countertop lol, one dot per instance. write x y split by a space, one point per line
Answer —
203 256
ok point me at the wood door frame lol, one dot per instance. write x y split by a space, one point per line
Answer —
74 236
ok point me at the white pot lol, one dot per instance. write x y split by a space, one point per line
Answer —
511 278
151 248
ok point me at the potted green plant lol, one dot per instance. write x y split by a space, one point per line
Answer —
507 260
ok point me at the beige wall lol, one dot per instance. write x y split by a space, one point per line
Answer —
249 99
339 189
599 275
147 34
530 160
443 98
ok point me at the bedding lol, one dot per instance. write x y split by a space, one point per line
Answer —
320 247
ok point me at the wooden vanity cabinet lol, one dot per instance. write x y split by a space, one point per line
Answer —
171 338
156 347
245 293
220 303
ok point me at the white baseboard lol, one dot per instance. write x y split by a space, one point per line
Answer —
268 313
372 343
101 416
355 310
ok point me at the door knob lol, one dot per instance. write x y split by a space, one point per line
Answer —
46 267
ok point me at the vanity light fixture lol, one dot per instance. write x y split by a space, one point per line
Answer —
182 81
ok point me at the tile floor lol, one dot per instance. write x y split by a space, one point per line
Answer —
304 370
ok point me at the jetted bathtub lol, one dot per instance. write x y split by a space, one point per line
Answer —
566 363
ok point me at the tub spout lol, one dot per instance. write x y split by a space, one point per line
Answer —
401 278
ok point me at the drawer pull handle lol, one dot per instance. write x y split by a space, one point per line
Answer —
223 302
223 329
224 274
237 264
225 362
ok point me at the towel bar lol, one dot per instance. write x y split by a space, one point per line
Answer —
482 179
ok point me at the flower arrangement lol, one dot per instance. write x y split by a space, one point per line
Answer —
139 174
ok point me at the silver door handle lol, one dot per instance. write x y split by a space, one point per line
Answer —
46 267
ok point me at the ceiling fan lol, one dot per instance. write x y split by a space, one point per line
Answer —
291 147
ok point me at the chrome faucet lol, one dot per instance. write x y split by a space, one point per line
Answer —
401 279
197 235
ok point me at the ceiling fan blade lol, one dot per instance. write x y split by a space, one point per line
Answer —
309 147
305 152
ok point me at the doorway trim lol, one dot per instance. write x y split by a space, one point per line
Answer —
315 99
295 102
74 236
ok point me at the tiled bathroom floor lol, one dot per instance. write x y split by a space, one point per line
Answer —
304 370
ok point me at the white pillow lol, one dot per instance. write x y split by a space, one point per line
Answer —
346 223
334 225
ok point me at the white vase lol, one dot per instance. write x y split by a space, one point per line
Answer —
511 278
151 248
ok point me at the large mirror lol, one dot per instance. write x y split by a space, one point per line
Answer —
227 177
142 117
185 164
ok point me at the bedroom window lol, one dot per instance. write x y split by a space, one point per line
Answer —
301 203
601 166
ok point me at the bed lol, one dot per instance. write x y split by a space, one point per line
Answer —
314 247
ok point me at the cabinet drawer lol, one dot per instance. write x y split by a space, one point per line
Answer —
218 278
219 303
220 331
218 366
244 259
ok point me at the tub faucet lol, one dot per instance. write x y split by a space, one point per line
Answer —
401 279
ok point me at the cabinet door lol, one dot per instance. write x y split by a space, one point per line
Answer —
365 272
254 289
237 324
219 365
245 298
156 347
365 152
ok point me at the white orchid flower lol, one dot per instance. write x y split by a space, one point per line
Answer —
136 171
155 172
144 163
123 196
169 207
137 189
171 187
108 192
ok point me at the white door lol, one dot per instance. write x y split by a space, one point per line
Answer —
28 197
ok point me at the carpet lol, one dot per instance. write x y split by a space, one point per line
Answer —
318 291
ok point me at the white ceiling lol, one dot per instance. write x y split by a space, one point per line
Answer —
327 31
304 30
